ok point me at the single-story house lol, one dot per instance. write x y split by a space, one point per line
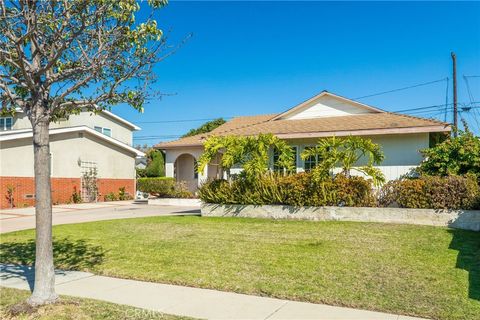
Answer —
81 144
325 115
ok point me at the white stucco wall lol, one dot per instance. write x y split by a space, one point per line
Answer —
173 154
402 152
16 157
120 131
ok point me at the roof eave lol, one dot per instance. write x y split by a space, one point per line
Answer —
176 146
27 133
364 132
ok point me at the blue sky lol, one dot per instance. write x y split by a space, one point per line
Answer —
264 57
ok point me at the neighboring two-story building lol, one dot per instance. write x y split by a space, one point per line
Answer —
84 146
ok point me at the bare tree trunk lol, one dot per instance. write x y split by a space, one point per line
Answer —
44 288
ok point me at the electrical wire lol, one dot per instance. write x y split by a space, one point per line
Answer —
400 89
424 110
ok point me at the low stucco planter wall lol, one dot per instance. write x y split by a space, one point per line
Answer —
175 202
461 219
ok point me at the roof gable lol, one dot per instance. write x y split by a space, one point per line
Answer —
326 105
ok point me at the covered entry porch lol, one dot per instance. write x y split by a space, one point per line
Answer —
182 165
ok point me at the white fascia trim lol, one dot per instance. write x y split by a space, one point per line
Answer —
110 114
120 119
27 133
13 131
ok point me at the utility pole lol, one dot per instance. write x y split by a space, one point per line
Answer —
455 110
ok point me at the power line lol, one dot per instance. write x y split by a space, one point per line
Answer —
371 95
422 108
400 89
415 110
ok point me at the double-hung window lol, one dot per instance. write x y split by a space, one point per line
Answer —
6 123
105 131
311 161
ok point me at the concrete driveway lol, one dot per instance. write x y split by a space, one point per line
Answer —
24 218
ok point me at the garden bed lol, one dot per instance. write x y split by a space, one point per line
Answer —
460 219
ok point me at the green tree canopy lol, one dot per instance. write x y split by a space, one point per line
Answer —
61 57
205 128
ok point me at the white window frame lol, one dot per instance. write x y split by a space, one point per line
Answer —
304 161
4 128
102 130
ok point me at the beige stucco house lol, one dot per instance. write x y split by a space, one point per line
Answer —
79 144
326 114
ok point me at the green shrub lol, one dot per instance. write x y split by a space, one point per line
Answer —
163 187
454 156
156 186
180 190
353 192
450 192
111 196
295 190
76 197
141 173
123 195
156 166
216 191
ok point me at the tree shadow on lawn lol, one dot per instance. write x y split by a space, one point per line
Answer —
16 257
468 245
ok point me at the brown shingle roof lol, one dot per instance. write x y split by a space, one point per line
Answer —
354 124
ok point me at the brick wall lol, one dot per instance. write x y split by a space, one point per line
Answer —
22 186
106 186
62 189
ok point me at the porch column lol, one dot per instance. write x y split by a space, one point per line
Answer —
170 164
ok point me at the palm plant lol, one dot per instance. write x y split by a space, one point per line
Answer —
252 153
346 153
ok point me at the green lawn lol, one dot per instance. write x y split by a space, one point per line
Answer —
416 270
73 308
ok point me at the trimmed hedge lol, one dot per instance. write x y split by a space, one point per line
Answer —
296 190
163 187
451 192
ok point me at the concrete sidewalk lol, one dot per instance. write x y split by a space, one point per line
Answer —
183 301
